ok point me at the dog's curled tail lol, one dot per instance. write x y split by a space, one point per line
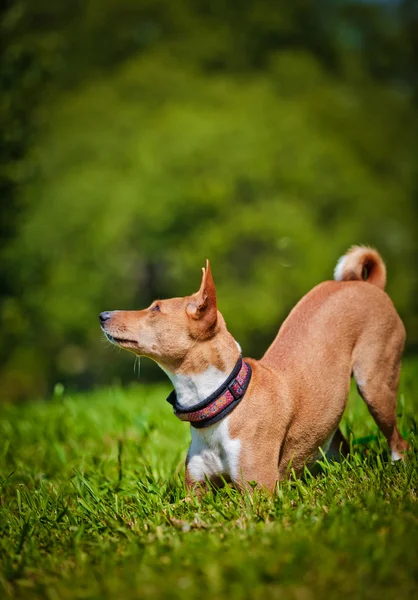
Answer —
361 263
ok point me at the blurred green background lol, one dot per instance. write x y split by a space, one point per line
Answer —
141 136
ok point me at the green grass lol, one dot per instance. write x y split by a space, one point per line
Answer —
92 506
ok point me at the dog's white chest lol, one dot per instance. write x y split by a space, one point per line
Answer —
213 452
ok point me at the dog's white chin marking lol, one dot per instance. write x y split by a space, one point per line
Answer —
339 269
191 389
213 452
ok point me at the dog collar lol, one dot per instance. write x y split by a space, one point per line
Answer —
219 404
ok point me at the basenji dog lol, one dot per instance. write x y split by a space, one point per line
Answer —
257 420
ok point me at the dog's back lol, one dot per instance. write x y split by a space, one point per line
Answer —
332 318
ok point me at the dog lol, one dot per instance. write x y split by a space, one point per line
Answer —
257 420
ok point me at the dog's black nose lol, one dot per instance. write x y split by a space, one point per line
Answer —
104 316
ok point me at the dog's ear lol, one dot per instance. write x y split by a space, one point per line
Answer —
202 307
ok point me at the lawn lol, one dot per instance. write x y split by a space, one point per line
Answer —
92 506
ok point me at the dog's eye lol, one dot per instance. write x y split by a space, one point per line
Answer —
156 308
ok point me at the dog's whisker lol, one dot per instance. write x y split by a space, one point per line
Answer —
137 365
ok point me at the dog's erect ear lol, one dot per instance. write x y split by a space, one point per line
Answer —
202 307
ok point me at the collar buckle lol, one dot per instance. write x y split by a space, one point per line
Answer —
235 388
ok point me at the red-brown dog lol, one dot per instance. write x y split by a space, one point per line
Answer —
252 420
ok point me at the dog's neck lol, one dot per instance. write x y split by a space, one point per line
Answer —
204 371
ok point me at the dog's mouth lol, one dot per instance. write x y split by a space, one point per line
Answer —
119 341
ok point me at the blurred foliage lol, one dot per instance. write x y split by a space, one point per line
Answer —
141 137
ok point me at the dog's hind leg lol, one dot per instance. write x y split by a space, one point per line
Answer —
377 378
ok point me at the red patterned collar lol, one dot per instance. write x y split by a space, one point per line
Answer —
219 404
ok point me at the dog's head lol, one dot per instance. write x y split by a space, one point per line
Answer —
167 330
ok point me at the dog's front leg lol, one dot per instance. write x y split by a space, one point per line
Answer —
204 470
257 471
193 486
